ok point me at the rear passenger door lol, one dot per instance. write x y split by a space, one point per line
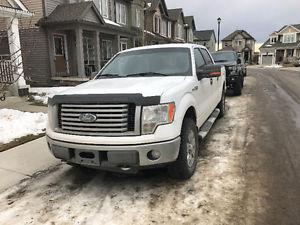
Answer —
202 93
216 82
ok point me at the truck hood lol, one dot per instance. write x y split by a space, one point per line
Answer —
147 86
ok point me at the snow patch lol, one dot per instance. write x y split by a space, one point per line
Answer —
111 22
41 94
274 66
16 124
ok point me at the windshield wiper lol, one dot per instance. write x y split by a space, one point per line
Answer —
146 74
107 75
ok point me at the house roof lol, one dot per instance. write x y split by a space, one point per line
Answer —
14 8
174 14
205 35
155 5
74 12
190 21
244 33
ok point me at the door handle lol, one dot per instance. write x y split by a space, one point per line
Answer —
195 88
211 81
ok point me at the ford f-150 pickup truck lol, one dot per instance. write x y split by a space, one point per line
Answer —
146 108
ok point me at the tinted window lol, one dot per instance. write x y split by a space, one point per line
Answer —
206 56
167 61
198 58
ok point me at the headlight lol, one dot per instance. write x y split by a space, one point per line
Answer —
153 116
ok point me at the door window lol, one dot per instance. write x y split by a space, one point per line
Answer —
198 58
206 56
59 45
106 49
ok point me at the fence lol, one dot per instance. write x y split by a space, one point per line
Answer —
6 72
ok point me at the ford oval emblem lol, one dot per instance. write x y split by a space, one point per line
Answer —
88 118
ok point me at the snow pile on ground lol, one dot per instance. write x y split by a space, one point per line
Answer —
41 94
16 124
274 66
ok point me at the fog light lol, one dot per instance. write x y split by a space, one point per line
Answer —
153 155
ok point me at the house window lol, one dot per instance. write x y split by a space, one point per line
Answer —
238 43
164 28
180 31
138 17
273 40
123 45
169 29
289 38
157 24
88 51
104 8
59 45
106 49
121 13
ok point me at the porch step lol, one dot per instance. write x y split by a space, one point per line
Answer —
203 131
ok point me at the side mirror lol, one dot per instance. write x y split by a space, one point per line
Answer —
208 71
239 61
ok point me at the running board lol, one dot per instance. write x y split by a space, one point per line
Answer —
208 124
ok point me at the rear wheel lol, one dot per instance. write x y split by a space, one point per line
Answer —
184 167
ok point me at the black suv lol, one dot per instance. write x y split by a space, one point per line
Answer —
235 69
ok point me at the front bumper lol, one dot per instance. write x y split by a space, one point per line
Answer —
111 157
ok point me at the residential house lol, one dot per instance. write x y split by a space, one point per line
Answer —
178 25
206 38
190 28
158 25
282 46
69 40
241 42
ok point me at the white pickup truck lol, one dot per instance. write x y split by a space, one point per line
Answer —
146 108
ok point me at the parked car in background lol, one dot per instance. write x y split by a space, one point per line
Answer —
234 69
146 108
243 66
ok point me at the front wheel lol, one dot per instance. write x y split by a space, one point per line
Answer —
184 167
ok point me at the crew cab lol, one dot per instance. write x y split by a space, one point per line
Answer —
146 108
235 69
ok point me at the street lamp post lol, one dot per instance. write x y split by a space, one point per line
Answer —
219 23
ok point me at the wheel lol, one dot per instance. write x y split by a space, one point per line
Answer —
184 167
237 88
2 98
222 104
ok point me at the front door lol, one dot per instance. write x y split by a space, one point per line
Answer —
60 55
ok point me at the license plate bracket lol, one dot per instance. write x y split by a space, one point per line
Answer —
87 158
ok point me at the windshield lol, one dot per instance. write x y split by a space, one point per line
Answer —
224 56
150 62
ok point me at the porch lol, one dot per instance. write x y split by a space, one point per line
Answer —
287 55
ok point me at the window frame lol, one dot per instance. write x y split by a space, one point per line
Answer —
121 13
289 34
105 6
108 46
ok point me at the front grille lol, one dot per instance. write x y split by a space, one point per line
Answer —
111 119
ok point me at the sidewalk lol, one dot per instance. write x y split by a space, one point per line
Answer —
23 161
21 104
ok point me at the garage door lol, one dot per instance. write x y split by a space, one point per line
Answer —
267 59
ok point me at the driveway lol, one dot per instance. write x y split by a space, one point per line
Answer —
248 173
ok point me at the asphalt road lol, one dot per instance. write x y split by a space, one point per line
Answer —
248 173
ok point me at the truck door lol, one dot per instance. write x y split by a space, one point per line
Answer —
216 82
202 91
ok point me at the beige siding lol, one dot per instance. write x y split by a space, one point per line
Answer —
50 5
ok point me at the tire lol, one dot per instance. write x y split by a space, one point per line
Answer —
185 165
237 88
222 104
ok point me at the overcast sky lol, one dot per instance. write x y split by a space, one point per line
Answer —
258 17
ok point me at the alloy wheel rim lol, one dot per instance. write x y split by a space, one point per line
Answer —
191 149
